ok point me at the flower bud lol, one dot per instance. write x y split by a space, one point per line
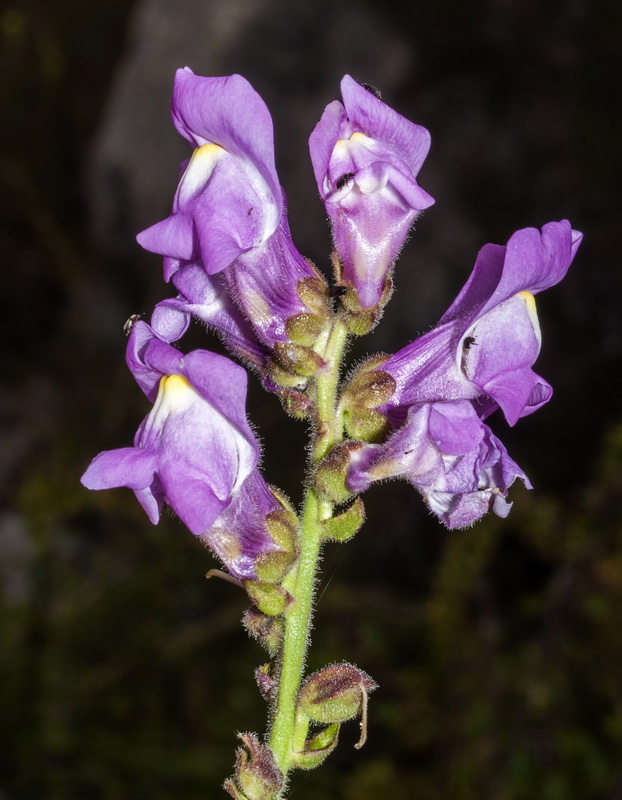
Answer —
335 693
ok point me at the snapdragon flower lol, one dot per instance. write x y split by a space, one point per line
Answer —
449 455
366 158
195 451
229 210
485 345
477 359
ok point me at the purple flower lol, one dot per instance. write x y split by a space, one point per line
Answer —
450 456
228 199
194 451
485 345
366 158
229 209
207 298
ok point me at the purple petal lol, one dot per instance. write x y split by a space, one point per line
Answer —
127 466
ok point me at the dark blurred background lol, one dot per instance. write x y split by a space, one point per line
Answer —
498 650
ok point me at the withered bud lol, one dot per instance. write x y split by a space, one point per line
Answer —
257 777
335 694
264 675
268 631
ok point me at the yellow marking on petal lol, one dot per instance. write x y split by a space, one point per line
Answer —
532 311
173 384
360 137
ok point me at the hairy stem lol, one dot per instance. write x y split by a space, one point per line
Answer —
301 581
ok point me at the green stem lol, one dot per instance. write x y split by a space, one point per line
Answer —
301 581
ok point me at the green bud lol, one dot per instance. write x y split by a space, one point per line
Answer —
268 631
318 747
304 328
257 777
298 359
269 598
335 694
343 527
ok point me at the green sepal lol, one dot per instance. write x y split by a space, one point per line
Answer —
318 747
285 378
331 474
268 597
365 424
304 329
273 567
283 528
297 359
314 294
343 527
334 693
369 388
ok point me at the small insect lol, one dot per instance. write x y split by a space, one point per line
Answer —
338 291
130 322
372 90
341 182
468 343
